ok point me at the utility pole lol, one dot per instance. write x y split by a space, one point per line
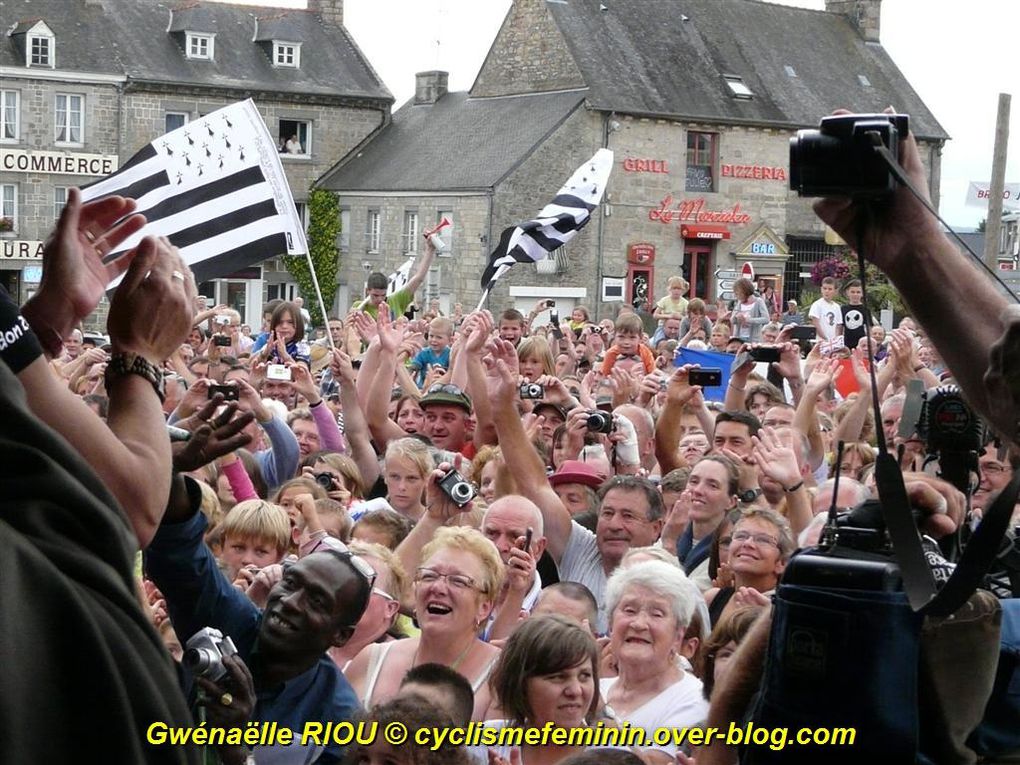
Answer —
993 223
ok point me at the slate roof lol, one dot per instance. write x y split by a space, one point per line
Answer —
457 144
642 57
130 37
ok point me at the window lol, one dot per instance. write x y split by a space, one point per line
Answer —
701 161
345 229
302 213
8 207
69 118
174 120
410 231
9 115
295 137
40 51
286 54
59 200
447 233
737 87
373 231
199 46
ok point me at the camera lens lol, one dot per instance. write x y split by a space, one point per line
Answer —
325 480
198 660
461 492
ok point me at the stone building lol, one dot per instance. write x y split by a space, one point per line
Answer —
698 99
86 83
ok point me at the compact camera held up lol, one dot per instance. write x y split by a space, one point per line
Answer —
532 391
600 422
839 159
204 652
456 488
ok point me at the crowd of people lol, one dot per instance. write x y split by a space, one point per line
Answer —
440 519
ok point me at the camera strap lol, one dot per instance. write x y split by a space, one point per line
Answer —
977 558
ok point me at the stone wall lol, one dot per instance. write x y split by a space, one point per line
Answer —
529 55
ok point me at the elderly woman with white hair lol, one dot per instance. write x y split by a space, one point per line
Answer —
650 606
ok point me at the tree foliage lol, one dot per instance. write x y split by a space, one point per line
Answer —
323 233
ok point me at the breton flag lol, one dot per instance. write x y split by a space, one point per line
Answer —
400 277
216 189
557 224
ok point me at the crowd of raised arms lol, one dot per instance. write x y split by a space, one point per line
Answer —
439 519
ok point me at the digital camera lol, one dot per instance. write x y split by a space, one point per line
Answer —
600 422
532 391
326 481
204 652
456 488
278 372
839 159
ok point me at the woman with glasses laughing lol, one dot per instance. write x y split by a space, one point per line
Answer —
454 590
759 547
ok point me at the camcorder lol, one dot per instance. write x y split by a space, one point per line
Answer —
532 391
204 652
457 488
600 422
839 158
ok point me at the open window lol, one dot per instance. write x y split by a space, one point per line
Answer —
295 138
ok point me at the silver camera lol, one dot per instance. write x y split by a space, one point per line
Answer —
532 391
456 488
204 652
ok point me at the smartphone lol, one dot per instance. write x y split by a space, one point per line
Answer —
230 392
706 378
764 353
278 372
803 332
554 317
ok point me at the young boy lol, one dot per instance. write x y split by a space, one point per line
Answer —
256 534
853 314
696 318
825 313
627 345
511 326
438 352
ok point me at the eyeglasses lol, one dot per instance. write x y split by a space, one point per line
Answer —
444 388
383 595
758 539
457 581
994 468
357 563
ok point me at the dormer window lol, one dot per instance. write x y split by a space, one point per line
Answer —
39 42
199 45
286 54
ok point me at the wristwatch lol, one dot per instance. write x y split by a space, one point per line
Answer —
747 496
121 364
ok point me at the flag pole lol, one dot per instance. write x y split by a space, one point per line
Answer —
318 294
485 295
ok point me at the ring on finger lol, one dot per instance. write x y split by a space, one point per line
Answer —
177 275
226 699
89 235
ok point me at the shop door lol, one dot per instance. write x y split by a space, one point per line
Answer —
697 269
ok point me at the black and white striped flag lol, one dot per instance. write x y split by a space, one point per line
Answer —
399 278
557 224
216 189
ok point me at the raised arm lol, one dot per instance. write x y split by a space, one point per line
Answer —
382 428
679 393
522 461
423 268
355 425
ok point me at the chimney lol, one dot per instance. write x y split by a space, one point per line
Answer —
866 15
330 11
429 87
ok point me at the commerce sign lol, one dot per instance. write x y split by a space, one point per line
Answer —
694 211
57 163
644 166
757 172
20 249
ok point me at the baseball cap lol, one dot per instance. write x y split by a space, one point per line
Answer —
559 408
446 394
575 471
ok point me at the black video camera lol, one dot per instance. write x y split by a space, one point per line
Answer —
839 159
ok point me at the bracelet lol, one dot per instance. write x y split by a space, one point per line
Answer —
737 387
794 488
317 403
